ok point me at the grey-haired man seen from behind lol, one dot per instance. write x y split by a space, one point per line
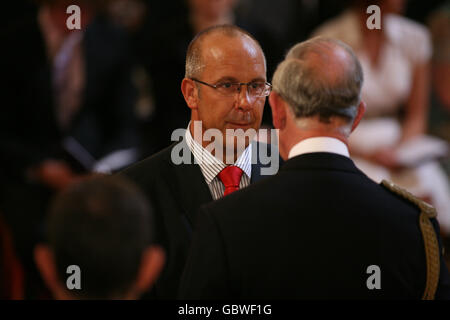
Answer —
320 228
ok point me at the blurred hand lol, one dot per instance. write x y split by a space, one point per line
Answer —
55 173
386 158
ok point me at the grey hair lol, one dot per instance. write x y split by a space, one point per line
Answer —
314 89
194 62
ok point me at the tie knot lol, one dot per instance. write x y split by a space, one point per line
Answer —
231 176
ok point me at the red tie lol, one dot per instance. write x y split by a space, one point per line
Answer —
230 177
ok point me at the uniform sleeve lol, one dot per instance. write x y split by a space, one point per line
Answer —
206 271
443 289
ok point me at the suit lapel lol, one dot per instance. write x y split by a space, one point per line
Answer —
189 186
256 172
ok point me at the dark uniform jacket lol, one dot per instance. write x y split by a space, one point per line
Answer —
319 229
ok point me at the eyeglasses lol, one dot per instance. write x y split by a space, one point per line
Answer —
255 89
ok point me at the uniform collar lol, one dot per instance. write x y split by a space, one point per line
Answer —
319 144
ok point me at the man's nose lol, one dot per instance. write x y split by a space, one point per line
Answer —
245 100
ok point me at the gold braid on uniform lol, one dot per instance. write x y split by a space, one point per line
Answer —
429 237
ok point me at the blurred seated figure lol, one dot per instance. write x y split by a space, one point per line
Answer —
439 23
73 95
101 226
67 110
439 119
390 142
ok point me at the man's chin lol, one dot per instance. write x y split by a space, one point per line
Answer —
237 144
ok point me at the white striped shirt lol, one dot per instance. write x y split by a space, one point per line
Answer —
211 166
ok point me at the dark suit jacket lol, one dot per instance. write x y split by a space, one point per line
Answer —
176 193
309 232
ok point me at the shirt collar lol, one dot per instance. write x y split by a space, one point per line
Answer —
210 165
319 144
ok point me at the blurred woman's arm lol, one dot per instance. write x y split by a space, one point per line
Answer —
416 109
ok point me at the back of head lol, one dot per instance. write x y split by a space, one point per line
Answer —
320 77
102 225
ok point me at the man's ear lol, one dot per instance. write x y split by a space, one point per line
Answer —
152 262
278 107
359 115
190 93
45 261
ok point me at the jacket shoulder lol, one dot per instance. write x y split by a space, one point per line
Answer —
145 171
429 210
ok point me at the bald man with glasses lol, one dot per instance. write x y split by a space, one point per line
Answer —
225 86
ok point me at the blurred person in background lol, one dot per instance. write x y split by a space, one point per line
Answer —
290 21
103 226
439 22
139 18
68 110
439 120
390 142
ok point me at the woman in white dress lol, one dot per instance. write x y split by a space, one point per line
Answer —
395 61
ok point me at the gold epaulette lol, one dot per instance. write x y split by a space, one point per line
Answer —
429 237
